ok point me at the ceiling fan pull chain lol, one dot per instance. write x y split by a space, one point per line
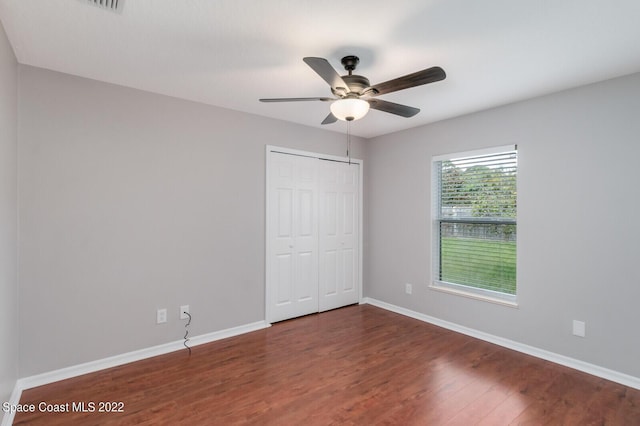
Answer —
349 141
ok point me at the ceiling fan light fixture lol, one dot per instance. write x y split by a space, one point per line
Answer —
349 109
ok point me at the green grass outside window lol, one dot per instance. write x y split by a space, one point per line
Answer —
486 264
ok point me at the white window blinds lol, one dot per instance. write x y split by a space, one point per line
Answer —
475 220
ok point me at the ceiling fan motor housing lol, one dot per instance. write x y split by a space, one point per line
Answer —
357 85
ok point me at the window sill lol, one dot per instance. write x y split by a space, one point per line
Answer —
479 295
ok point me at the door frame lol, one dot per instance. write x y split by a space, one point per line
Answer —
282 150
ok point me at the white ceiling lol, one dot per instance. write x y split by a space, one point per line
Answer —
229 53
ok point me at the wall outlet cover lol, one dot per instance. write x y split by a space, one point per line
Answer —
183 309
161 316
579 328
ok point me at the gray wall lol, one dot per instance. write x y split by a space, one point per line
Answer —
8 219
131 201
578 229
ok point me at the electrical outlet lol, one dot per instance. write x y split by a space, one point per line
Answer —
579 328
183 309
408 288
161 316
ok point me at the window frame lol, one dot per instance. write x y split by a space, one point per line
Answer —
436 221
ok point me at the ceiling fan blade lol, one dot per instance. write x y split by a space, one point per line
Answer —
419 78
393 108
328 73
295 99
329 119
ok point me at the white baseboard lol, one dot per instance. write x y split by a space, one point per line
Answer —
595 370
101 364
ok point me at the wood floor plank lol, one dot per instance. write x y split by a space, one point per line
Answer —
352 366
505 412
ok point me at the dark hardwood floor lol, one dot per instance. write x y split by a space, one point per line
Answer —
358 365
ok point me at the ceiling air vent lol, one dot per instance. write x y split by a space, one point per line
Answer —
111 5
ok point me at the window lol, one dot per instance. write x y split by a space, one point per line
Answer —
474 223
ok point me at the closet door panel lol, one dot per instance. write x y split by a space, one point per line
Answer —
338 229
293 232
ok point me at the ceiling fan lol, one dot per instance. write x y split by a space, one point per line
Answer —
354 95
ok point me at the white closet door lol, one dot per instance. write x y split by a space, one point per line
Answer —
339 234
293 225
